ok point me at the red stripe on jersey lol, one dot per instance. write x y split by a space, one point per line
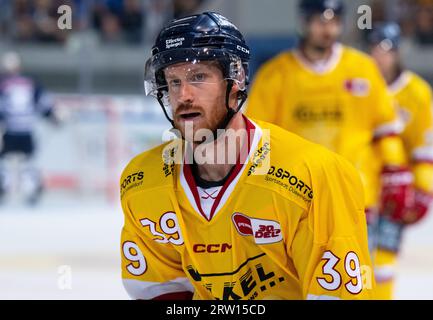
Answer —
386 135
184 295
193 187
421 160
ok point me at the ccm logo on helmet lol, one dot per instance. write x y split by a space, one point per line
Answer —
245 50
211 248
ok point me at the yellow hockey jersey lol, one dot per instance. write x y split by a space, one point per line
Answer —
342 104
287 224
413 97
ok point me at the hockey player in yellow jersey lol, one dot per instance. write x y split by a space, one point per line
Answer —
270 216
413 97
335 95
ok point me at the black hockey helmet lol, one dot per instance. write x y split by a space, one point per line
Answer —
386 33
311 7
202 37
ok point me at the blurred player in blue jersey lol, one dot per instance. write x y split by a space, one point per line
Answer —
22 101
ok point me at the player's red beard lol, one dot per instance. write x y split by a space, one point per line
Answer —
200 118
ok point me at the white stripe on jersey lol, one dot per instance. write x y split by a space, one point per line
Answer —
323 66
400 83
384 273
390 128
146 290
321 297
424 153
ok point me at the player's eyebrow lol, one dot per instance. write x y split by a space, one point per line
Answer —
195 69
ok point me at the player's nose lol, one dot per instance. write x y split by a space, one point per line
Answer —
185 93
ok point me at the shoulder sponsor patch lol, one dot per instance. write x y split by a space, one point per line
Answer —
263 231
357 86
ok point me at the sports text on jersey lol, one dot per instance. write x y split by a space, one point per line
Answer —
296 185
136 179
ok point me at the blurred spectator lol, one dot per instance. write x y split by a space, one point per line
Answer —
185 7
118 20
110 28
45 21
132 20
36 20
22 13
98 11
415 17
159 12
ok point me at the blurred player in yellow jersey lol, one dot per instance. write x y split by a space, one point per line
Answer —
335 95
413 97
268 216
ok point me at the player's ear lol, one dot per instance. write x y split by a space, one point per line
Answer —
234 92
236 95
235 88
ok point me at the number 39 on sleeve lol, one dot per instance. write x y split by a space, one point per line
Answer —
333 278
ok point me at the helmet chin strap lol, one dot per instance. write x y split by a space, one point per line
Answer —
224 122
222 126
229 114
159 97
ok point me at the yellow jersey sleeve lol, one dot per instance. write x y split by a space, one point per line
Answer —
423 176
387 124
334 232
418 135
423 119
385 115
151 267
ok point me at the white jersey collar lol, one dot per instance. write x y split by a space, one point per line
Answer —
323 66
400 83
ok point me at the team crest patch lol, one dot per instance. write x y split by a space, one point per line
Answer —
357 87
263 231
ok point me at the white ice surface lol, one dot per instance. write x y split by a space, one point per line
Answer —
35 243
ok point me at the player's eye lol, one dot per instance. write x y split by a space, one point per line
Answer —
199 77
174 83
